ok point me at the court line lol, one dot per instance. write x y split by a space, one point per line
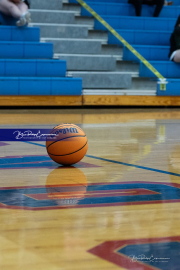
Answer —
133 165
121 163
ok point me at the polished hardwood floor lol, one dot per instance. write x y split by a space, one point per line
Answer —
119 208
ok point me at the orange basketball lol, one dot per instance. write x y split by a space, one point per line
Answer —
68 146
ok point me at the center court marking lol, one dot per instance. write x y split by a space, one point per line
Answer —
121 163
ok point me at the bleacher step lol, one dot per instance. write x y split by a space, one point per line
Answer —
127 66
62 30
119 92
46 4
77 46
84 20
89 62
95 34
112 50
104 80
72 7
143 84
52 16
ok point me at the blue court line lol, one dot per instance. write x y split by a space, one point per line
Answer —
133 165
121 163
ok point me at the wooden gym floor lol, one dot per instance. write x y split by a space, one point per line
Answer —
125 210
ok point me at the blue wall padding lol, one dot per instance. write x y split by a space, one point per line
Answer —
168 69
141 37
148 52
25 50
40 86
39 68
172 88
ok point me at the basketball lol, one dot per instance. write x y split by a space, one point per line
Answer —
68 145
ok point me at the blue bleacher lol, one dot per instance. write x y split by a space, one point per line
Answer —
151 53
28 49
175 2
169 69
137 23
14 33
125 9
40 86
27 66
149 36
141 37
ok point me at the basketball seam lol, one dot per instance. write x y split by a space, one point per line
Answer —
69 153
65 139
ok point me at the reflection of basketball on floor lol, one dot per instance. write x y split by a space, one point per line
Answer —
69 145
66 186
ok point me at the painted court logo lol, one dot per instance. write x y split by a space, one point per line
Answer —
84 195
146 254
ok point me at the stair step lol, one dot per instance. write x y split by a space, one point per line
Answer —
39 4
84 20
52 16
89 62
127 66
77 46
112 49
73 7
62 30
95 34
144 84
104 80
119 92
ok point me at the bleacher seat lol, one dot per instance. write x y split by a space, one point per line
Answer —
149 36
125 9
27 66
141 37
